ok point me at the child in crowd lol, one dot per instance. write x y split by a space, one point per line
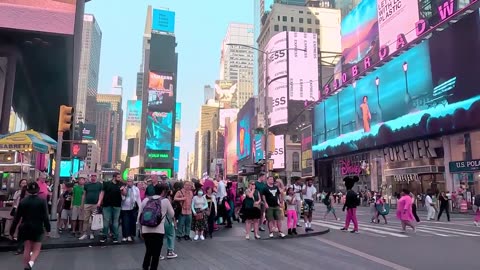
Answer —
291 201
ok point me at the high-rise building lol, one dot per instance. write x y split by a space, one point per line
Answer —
109 127
117 85
205 143
93 159
89 70
237 62
196 156
208 93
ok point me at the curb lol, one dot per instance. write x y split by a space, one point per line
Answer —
303 235
48 246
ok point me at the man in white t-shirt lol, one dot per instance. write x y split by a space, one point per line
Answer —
298 189
309 192
430 206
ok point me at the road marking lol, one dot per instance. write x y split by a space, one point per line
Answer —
337 227
364 228
362 254
450 230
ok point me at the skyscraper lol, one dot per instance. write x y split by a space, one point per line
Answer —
237 62
89 70
109 127
208 93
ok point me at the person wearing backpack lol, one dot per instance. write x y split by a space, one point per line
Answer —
477 213
328 203
153 213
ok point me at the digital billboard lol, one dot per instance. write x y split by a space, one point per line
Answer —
276 78
158 171
176 158
134 118
178 119
89 131
159 131
160 92
258 147
227 113
224 92
163 21
396 17
307 157
278 155
230 153
431 89
303 66
49 16
244 130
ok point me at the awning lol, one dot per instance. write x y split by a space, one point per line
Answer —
415 170
29 140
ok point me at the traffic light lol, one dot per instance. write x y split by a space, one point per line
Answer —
65 118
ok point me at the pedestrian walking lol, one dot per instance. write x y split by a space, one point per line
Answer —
414 208
271 198
154 211
309 192
252 211
199 207
292 221
184 223
111 202
404 210
260 185
18 196
328 203
443 206
33 214
382 208
351 203
77 207
212 210
127 214
90 200
66 213
430 206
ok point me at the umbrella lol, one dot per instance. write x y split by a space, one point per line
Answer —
43 137
22 141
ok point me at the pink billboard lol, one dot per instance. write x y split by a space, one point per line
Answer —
230 153
49 16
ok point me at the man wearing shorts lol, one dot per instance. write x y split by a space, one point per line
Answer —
271 197
309 192
77 207
89 200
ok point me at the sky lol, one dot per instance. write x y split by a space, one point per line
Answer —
199 29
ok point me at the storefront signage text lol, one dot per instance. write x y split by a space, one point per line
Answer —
350 169
419 149
405 177
15 146
465 166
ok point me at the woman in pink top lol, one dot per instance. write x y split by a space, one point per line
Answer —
404 210
142 187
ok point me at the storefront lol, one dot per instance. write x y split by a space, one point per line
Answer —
353 165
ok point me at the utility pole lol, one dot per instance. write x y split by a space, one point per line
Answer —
64 123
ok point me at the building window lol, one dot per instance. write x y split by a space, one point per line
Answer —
284 28
276 28
317 31
300 11
284 18
291 19
279 18
295 162
300 20
309 21
309 30
317 22
292 28
300 29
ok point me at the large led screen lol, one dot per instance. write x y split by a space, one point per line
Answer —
244 129
230 153
159 131
160 92
278 154
224 92
176 158
258 147
134 118
307 158
49 16
276 79
163 20
431 89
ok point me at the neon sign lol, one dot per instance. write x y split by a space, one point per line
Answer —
158 155
446 11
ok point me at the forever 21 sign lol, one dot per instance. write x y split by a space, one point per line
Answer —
419 149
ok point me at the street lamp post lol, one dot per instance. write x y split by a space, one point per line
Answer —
266 79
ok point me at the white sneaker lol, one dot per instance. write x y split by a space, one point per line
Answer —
247 237
83 237
271 235
476 224
129 239
282 235
202 237
92 236
195 238
124 239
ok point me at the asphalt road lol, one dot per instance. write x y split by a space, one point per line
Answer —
436 245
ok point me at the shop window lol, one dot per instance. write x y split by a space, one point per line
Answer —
295 162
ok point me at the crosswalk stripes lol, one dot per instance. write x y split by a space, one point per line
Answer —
393 229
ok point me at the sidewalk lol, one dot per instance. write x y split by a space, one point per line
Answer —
67 240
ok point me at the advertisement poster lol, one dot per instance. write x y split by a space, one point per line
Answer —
49 16
160 92
134 118
89 131
307 157
303 66
276 81
431 89
396 17
230 154
258 147
163 21
278 155
360 34
176 158
159 131
225 92
244 137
